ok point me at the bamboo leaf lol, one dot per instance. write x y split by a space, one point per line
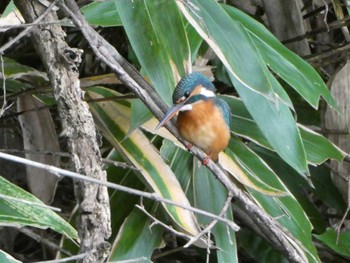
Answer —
249 169
201 187
137 238
318 148
294 70
7 258
289 213
230 42
156 32
113 120
205 188
339 245
16 213
102 14
278 126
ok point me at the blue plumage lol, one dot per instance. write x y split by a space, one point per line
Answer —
189 82
203 119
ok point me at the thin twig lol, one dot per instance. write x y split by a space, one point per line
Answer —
4 106
157 221
132 260
31 151
28 29
28 232
10 43
153 196
345 214
69 259
68 155
59 22
120 164
208 228
332 26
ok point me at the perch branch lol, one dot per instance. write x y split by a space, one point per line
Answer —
131 78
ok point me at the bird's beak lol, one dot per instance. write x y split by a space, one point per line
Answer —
170 113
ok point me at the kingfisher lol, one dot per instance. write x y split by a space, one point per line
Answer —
203 119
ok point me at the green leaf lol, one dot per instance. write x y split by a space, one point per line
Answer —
298 186
194 40
289 66
7 258
113 120
326 191
126 177
259 249
9 8
139 114
231 43
14 212
339 245
277 124
20 77
319 148
205 188
156 32
288 212
255 169
201 187
102 14
137 238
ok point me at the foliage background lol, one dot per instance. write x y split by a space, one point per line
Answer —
269 89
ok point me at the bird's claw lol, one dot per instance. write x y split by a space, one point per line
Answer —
206 161
189 146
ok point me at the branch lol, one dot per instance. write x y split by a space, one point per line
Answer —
131 78
79 177
208 228
61 64
26 31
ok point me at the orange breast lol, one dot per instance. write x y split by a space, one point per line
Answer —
205 127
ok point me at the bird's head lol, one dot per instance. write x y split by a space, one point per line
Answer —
190 89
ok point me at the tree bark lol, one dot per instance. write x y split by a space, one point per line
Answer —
61 63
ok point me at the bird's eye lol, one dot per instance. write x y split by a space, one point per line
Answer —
187 94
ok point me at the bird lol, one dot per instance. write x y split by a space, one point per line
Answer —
203 119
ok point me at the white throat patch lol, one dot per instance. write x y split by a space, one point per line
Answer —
207 92
186 107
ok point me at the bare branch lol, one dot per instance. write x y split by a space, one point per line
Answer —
156 221
153 196
208 228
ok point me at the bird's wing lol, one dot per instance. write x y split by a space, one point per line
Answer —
225 109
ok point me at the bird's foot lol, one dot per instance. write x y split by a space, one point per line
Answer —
189 146
206 160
